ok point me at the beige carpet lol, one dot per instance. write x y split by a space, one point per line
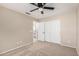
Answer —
43 49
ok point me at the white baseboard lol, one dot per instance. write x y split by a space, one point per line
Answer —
67 45
16 48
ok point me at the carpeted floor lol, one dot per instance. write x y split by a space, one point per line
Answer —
43 49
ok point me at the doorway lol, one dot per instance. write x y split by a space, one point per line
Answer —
47 31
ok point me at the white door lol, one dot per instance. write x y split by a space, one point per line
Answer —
52 31
49 31
41 32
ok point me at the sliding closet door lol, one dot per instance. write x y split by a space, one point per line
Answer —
49 31
52 31
41 32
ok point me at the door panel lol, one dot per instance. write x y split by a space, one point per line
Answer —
52 31
41 31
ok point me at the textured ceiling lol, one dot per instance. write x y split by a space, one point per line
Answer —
26 7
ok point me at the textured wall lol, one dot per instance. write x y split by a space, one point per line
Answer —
15 29
68 28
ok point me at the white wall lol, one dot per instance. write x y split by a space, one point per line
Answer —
68 28
15 29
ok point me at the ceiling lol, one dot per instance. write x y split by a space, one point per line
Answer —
26 7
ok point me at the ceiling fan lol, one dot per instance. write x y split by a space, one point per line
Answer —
40 7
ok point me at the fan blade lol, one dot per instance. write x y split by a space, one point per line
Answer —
34 9
44 4
42 12
51 8
40 5
34 4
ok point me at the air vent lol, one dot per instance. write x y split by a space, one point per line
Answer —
27 13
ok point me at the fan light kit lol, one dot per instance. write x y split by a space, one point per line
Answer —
40 9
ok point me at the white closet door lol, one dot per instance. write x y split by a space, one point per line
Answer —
41 35
52 31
